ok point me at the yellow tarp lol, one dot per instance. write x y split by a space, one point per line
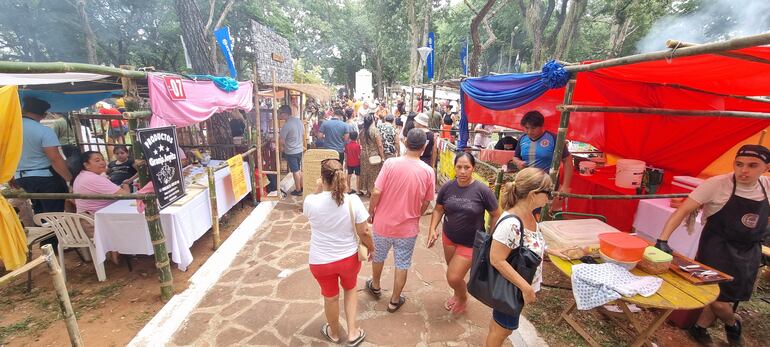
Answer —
13 241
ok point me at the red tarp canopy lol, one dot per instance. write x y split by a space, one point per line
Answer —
683 144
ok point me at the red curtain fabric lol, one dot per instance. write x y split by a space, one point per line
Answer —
678 143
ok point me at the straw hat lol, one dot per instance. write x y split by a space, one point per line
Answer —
422 119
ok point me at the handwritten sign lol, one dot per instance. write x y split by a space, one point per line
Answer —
237 177
175 87
160 151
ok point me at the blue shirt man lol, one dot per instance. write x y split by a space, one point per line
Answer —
536 148
335 134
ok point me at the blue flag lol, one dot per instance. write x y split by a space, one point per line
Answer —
464 57
226 46
432 46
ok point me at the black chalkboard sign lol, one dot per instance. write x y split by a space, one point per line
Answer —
161 155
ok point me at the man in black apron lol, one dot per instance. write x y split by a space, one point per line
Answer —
731 240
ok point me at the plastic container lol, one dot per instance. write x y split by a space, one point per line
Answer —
628 265
655 261
587 168
629 173
622 247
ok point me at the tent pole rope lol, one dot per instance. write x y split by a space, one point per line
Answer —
675 44
708 48
663 111
561 140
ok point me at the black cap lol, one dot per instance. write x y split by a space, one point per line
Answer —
284 109
756 151
36 106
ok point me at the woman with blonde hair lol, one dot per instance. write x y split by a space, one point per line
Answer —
333 254
529 190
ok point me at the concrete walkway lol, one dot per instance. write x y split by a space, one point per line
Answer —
268 297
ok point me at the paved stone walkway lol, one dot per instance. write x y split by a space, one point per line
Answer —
252 304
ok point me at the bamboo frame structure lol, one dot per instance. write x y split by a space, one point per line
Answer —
60 287
258 135
214 209
676 44
61 67
665 111
561 135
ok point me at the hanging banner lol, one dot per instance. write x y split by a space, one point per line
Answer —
237 178
432 46
159 146
225 44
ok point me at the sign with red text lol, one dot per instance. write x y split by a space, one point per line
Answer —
175 87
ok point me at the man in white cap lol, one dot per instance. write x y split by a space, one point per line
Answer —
430 154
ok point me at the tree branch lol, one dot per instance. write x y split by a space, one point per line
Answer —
225 11
212 4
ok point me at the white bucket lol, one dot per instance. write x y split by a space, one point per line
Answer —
587 168
629 173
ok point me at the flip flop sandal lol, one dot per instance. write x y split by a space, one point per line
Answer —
325 333
449 303
376 293
357 341
393 307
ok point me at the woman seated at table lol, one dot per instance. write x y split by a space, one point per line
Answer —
90 178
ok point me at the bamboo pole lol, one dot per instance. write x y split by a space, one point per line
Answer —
762 137
619 197
433 104
60 67
498 184
663 111
411 101
258 135
162 263
214 210
22 270
21 194
75 121
708 48
60 286
302 118
561 140
252 179
275 140
676 44
137 114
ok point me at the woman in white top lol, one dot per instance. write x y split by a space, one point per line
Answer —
334 249
529 191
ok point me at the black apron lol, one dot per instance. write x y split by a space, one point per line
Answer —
731 242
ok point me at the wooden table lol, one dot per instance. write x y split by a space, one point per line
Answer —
675 293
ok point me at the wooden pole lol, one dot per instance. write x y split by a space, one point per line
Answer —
762 137
59 67
22 270
21 194
60 286
75 122
411 101
498 184
275 138
663 111
708 48
676 44
561 140
253 178
214 210
137 114
302 119
162 263
258 135
433 104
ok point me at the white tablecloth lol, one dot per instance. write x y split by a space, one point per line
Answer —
651 216
119 227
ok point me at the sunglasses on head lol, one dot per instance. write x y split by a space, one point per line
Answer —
326 160
545 191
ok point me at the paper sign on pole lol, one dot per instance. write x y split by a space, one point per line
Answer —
237 177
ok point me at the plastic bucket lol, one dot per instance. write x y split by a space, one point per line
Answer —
629 173
587 168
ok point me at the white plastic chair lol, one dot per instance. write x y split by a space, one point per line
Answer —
69 230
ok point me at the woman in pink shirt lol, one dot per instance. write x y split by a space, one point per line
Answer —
92 180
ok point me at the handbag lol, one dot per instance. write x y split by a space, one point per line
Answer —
489 286
363 252
375 160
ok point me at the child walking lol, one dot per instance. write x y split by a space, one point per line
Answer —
353 158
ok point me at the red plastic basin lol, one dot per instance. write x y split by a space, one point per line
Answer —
622 247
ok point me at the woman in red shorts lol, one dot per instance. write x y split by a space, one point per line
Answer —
462 203
334 249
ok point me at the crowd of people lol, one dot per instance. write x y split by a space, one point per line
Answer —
393 154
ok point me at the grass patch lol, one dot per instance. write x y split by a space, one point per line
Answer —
96 299
29 326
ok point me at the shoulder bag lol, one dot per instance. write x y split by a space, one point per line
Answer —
489 286
363 252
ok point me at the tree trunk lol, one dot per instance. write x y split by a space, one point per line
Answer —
534 22
413 42
569 30
424 42
621 23
192 26
378 76
473 64
90 39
